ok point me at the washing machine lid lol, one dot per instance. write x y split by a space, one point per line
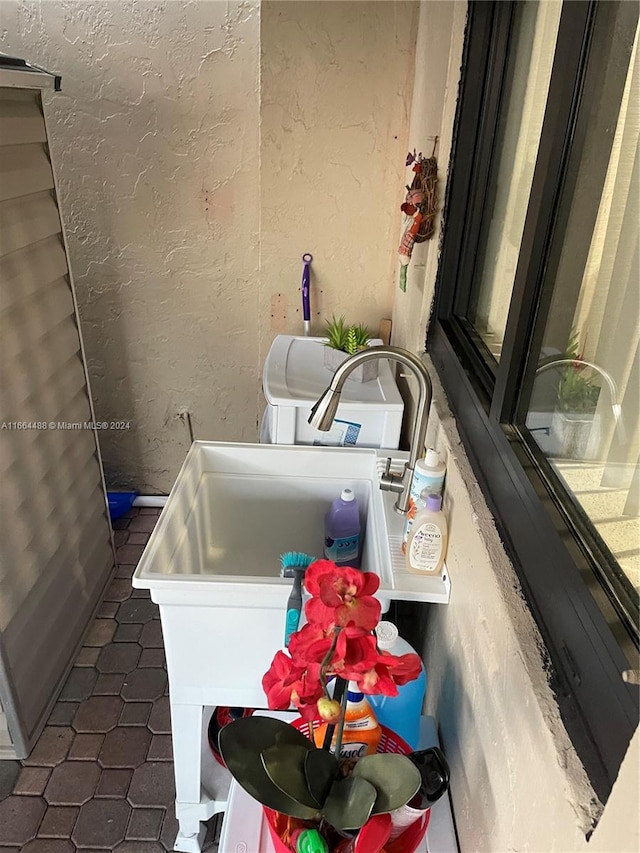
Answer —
294 375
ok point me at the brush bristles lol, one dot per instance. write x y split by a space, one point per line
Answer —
294 560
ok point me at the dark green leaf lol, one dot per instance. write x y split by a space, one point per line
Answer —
285 767
349 803
320 768
241 745
395 778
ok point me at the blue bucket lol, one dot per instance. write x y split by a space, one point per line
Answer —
120 502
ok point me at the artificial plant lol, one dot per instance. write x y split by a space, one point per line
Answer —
578 390
280 766
347 338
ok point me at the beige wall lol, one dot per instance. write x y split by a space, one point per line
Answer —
155 140
336 93
190 190
516 781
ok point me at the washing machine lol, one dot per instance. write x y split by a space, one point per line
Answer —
294 377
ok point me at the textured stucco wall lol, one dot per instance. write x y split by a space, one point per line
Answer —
180 258
516 782
155 139
336 90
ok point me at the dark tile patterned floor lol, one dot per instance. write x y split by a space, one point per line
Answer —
101 774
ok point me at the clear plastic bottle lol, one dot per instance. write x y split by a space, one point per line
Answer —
361 732
428 476
342 531
427 545
400 713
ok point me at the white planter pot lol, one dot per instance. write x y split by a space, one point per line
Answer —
333 358
576 436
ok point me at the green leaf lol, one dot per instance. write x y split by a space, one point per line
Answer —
395 778
241 744
362 336
349 803
320 768
336 333
352 343
285 766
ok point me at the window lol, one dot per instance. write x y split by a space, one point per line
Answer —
537 331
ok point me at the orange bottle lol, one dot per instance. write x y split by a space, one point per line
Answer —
361 734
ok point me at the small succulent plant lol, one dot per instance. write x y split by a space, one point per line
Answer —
347 338
578 389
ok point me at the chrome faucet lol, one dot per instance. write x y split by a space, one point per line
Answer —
324 411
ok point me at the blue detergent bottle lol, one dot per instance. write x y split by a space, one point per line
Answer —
400 713
342 531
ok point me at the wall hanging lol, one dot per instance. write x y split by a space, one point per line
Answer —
419 207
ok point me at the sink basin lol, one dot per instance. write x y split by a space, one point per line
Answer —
235 508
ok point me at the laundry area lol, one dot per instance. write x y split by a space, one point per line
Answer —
319 427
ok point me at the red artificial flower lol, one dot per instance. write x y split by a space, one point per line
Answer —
307 693
310 643
374 672
337 640
356 650
375 680
287 682
341 596
280 680
404 668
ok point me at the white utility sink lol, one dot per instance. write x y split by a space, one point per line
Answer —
213 566
235 508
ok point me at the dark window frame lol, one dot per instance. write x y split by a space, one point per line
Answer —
554 554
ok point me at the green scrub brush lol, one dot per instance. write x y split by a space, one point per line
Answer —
293 565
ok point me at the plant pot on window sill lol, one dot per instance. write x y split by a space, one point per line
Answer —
333 358
576 435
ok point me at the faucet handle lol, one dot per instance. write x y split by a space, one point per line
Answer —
389 481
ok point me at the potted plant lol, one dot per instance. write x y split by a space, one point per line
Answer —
346 340
305 788
575 426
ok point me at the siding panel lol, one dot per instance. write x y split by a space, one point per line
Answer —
55 546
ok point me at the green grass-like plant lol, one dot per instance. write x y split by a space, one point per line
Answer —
578 390
347 338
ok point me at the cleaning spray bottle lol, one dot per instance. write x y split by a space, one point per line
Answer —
342 531
361 733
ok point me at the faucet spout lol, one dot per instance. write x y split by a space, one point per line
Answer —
324 411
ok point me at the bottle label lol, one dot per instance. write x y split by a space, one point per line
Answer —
426 547
342 550
353 749
422 480
415 505
402 818
367 722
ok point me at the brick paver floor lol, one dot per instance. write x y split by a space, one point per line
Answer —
101 774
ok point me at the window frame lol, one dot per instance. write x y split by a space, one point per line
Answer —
553 554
